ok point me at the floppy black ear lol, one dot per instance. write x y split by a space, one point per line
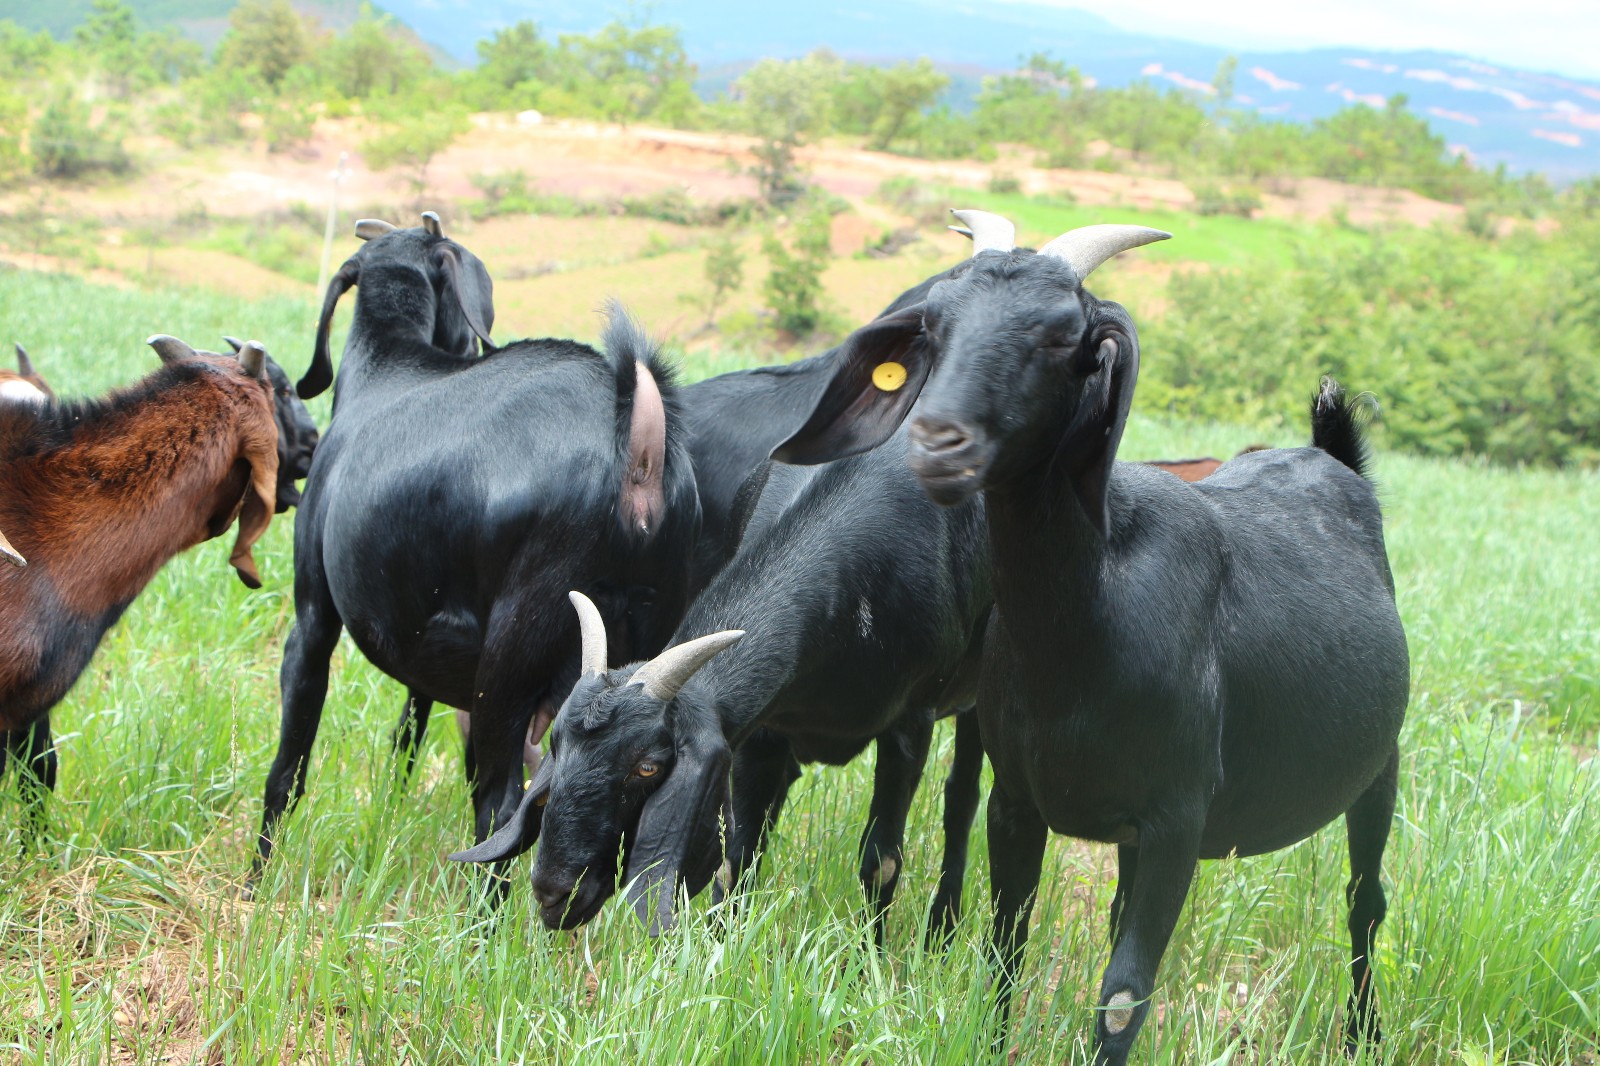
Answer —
1089 447
522 831
320 374
881 369
679 838
469 283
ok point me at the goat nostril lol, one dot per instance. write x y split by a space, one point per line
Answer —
939 436
550 898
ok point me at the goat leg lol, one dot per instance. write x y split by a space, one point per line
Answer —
31 748
1017 838
1168 856
409 732
1367 825
902 753
763 769
303 680
961 793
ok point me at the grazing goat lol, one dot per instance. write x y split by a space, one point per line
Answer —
99 494
456 498
861 606
1187 671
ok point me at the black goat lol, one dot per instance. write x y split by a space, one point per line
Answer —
455 499
1187 671
862 606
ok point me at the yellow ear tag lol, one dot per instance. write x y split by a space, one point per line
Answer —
889 376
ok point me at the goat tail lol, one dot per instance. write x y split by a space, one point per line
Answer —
1338 425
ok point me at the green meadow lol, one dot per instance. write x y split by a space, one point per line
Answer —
123 937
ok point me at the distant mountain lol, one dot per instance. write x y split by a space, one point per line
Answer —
1526 120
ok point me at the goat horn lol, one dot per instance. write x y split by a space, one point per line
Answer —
233 342
593 628
1088 247
663 676
170 349
430 222
253 358
368 228
24 364
989 232
10 554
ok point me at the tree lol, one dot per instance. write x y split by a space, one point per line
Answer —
266 36
416 132
724 274
903 91
373 59
793 287
785 101
513 64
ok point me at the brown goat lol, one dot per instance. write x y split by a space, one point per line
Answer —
99 494
24 383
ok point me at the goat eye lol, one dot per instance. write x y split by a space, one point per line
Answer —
646 769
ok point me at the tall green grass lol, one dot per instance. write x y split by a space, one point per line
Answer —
123 939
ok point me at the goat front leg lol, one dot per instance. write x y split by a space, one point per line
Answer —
960 807
1367 825
303 680
34 752
1017 837
764 767
902 753
1166 861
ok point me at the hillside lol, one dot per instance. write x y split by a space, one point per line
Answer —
1528 121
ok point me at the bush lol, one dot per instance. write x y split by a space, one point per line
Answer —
793 287
1469 349
1241 200
66 143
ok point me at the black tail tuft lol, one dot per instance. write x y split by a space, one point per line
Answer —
1337 428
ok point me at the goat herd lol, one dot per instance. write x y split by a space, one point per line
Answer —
1185 668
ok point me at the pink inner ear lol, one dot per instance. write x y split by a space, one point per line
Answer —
643 498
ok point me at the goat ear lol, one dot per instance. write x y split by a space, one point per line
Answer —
880 370
260 500
320 374
522 831
679 837
470 284
1089 447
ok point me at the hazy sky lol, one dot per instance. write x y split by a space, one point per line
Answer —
1560 36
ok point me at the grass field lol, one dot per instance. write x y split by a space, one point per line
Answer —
123 939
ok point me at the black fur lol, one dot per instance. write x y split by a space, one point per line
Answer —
453 502
862 604
1186 670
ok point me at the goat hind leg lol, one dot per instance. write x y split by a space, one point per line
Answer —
410 730
303 680
961 793
1367 825
902 753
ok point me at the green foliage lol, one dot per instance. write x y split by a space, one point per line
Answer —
411 136
785 103
1241 200
724 272
68 143
1470 349
793 286
267 37
14 158
373 59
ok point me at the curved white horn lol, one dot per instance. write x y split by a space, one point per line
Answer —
668 672
10 554
368 228
170 349
1088 247
430 222
593 629
989 232
253 358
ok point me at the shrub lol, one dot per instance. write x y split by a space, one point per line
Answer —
793 287
66 143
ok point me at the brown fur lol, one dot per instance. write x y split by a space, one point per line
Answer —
99 495
1188 469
